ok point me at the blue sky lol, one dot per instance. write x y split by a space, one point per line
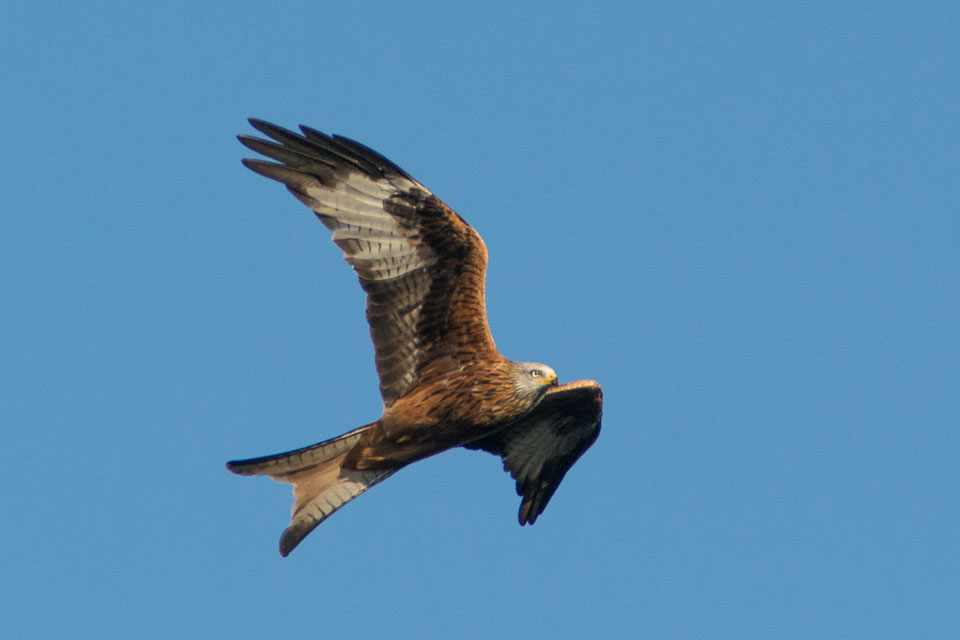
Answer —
741 219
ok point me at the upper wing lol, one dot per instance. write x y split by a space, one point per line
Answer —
540 448
422 266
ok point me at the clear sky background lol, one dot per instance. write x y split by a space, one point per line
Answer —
742 219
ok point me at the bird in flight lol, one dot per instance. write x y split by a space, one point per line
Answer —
442 380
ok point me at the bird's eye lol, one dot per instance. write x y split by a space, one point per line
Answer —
535 373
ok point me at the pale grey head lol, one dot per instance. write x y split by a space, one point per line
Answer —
531 380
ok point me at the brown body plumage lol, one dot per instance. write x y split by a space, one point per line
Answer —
443 382
435 415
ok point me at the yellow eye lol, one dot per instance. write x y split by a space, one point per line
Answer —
535 373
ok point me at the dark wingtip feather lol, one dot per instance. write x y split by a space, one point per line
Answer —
313 134
317 147
248 467
381 162
270 170
249 141
530 509
293 536
242 467
270 129
523 513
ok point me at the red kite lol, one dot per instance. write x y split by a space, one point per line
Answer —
442 380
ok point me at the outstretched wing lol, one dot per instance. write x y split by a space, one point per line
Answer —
540 448
422 266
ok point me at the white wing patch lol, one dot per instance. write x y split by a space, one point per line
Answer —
374 242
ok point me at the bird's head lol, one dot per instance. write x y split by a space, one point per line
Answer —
531 380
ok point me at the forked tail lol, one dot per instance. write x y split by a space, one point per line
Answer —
320 485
